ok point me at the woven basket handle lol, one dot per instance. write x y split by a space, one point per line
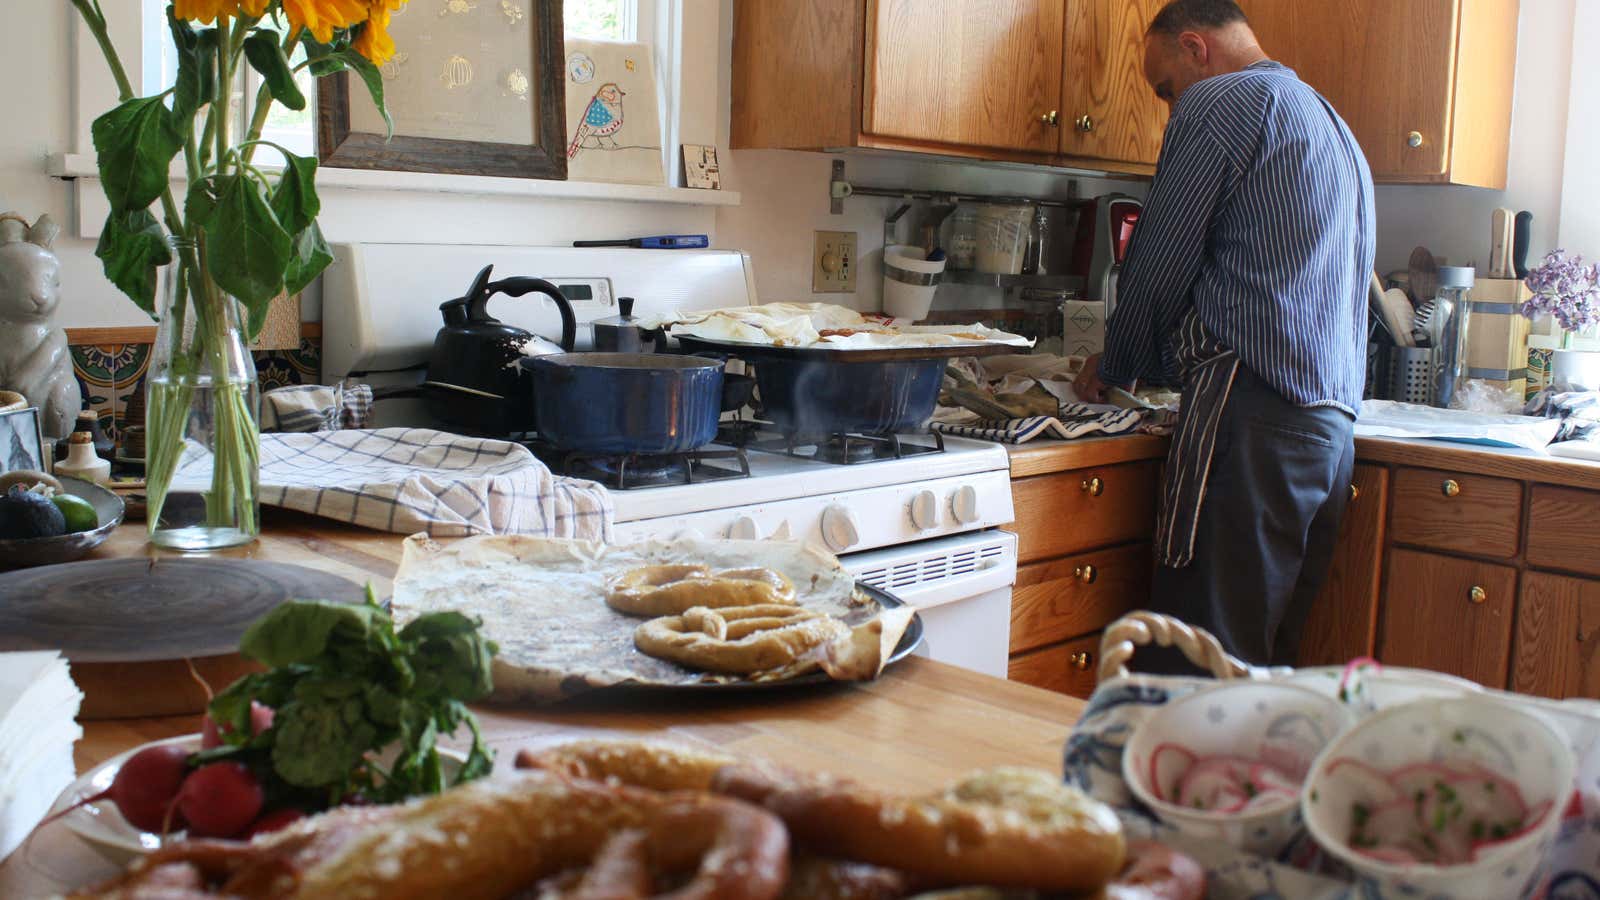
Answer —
1141 629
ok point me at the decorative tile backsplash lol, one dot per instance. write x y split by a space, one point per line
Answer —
111 375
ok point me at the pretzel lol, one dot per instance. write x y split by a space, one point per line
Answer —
656 765
670 590
1007 828
740 640
486 840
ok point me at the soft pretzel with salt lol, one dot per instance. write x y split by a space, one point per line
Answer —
742 640
657 765
670 590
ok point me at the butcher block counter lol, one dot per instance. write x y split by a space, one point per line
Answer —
1470 560
918 727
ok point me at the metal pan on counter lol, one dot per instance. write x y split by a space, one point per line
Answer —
625 403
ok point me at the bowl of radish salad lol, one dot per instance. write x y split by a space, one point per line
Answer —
1457 798
1227 763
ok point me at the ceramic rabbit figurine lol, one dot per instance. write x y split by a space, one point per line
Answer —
34 360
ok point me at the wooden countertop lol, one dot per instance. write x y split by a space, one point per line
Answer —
1043 457
918 727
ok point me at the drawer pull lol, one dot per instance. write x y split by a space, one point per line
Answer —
1414 139
1085 123
1094 487
1081 660
1477 595
1451 487
1086 574
1051 118
1354 493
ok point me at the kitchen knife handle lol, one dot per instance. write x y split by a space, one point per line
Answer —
1519 243
1500 244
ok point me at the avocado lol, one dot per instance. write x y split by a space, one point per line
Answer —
24 514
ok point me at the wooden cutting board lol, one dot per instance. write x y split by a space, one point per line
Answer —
132 628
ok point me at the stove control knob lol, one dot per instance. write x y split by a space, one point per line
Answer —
839 528
925 510
964 504
744 528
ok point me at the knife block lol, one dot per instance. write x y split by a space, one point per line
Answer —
1497 335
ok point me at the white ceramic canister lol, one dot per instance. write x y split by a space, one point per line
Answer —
1003 237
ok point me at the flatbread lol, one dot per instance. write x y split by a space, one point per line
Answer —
806 324
543 601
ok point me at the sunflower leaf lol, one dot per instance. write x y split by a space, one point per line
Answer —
311 255
134 143
294 200
266 56
132 246
248 250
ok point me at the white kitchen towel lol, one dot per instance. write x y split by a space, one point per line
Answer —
1076 420
407 480
316 407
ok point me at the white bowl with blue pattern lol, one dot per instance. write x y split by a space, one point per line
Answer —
1266 721
1485 731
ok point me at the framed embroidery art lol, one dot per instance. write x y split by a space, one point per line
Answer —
474 87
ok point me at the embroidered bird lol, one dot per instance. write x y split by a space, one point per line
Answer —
601 119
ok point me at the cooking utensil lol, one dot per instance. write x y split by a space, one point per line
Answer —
473 381
1422 324
623 334
643 403
1423 271
1398 316
1522 233
814 398
1500 243
45 551
1375 307
975 402
657 242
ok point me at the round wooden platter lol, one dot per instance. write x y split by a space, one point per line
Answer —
131 628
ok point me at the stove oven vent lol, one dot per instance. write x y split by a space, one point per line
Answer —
932 569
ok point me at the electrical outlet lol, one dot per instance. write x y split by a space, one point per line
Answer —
833 266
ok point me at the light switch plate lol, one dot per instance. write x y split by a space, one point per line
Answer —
833 265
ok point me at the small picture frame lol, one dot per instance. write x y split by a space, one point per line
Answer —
22 441
700 168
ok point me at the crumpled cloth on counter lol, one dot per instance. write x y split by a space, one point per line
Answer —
406 480
316 407
1578 412
1037 391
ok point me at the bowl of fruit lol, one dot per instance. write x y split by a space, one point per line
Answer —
348 710
46 520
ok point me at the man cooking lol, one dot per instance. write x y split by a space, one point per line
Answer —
1247 279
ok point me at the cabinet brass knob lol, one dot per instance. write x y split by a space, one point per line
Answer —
1094 487
1086 574
1085 123
1081 660
1051 118
1354 492
1477 595
1414 140
1451 487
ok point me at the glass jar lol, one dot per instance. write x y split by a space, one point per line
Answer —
1448 325
963 245
202 415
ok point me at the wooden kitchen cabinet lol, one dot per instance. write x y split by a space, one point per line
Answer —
1066 668
1457 512
1109 111
1448 614
1557 650
1056 600
1343 623
1425 85
1069 512
1568 529
981 73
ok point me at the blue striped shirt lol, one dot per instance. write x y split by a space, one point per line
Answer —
1260 223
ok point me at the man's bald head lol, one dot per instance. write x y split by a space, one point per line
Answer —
1192 40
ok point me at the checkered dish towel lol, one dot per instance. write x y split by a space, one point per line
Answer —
406 480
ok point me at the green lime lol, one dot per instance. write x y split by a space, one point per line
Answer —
79 513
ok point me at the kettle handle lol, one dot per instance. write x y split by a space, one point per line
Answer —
477 310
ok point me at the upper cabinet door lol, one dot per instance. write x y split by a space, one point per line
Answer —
983 73
1387 67
1110 112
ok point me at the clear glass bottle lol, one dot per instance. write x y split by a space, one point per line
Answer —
203 402
963 245
1448 325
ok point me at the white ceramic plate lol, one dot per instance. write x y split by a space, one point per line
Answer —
104 829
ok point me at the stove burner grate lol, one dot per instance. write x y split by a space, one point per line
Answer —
630 471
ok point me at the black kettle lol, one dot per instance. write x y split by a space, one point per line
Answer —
474 381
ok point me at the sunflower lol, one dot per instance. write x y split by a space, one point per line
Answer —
204 10
254 8
373 41
323 17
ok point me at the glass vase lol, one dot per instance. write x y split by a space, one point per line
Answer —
202 415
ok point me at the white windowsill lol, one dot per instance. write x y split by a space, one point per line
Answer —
81 165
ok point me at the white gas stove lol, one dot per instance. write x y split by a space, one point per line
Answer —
922 527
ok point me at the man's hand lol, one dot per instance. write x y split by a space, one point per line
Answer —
1088 386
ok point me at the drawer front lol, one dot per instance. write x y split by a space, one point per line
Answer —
1085 509
1470 514
1066 668
1562 528
1558 637
1065 598
1450 615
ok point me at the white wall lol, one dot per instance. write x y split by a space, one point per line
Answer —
1580 201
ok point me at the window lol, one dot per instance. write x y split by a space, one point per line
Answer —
607 20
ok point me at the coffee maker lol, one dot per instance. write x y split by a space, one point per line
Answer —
1105 228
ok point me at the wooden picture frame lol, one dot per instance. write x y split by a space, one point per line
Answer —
340 147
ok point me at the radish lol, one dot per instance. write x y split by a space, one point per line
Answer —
260 720
272 821
220 799
145 787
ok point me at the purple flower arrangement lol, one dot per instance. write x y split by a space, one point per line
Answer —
1564 287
